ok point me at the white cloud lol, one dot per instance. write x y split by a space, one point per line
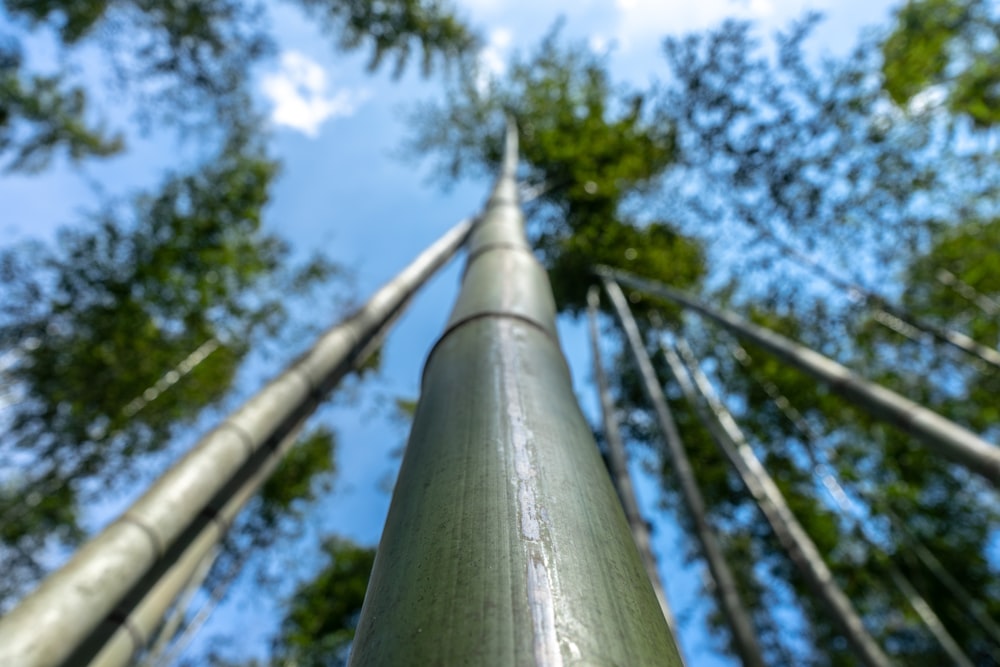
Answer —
298 91
598 43
493 56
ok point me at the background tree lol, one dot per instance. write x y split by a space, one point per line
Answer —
39 114
323 612
122 335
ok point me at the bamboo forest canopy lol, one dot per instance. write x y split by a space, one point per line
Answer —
850 202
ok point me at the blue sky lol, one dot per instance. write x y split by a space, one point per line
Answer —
343 189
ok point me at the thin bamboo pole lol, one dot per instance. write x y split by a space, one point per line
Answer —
173 620
740 625
618 467
943 436
203 613
81 604
929 618
505 543
43 484
967 291
790 534
971 605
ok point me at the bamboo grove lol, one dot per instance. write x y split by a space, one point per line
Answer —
507 540
818 415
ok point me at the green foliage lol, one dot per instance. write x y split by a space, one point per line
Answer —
806 158
655 251
72 19
915 485
305 471
40 115
969 253
394 26
916 53
120 304
323 613
187 62
585 142
953 284
588 148
890 475
949 43
404 409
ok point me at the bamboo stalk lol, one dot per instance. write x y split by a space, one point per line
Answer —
505 543
173 620
883 307
131 629
849 513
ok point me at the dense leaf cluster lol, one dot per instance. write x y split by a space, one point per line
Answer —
133 325
319 625
39 114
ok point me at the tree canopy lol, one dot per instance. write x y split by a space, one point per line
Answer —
946 48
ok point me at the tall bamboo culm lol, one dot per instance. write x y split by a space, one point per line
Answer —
730 603
789 532
505 543
114 590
